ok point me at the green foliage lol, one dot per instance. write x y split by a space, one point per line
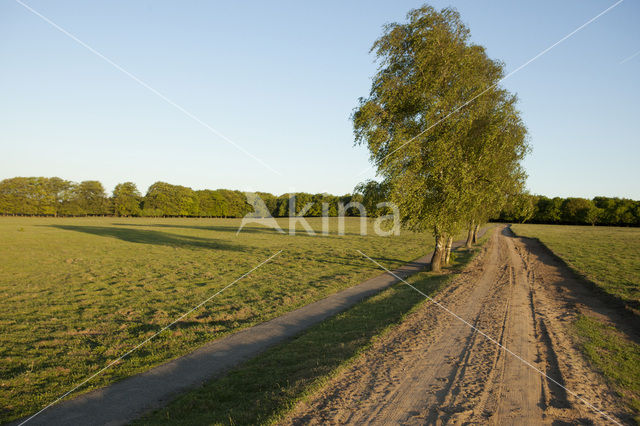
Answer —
236 203
548 210
212 204
618 211
575 211
281 204
171 200
447 161
270 201
28 196
41 196
373 193
519 207
91 198
127 199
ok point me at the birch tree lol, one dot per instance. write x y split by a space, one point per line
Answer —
422 125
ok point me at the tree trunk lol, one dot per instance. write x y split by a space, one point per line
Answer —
469 236
436 259
447 250
475 233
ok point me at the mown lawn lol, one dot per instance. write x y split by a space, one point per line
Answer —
79 292
610 258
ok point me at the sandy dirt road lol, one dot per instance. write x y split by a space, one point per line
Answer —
435 369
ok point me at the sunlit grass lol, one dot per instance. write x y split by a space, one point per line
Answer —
610 258
79 292
264 389
614 355
607 256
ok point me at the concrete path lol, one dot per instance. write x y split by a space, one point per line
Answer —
128 399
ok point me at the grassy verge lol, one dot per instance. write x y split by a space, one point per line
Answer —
268 386
615 356
608 258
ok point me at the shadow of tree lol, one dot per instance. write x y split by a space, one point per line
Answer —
219 228
360 261
234 229
580 290
151 237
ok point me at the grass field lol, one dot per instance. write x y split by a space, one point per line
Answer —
607 256
264 389
610 258
615 356
79 292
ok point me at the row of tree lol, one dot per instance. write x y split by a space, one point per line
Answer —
444 137
573 211
52 196
58 197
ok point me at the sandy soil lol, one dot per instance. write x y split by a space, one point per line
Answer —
435 369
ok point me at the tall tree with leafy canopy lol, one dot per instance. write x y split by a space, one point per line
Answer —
126 199
413 123
91 198
373 193
496 145
35 195
164 199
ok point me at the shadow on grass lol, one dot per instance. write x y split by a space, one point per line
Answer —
256 229
580 290
267 386
348 261
218 228
151 237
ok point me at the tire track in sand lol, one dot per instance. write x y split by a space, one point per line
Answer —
434 369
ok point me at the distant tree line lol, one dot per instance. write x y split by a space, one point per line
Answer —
572 211
42 196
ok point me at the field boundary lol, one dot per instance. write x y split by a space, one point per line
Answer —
628 307
129 398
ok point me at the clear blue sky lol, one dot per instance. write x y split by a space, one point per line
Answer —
281 79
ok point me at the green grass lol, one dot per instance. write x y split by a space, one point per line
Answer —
615 356
265 388
607 256
79 292
610 258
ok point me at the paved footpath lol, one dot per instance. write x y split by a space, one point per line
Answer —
128 399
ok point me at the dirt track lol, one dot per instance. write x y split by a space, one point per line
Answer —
435 369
